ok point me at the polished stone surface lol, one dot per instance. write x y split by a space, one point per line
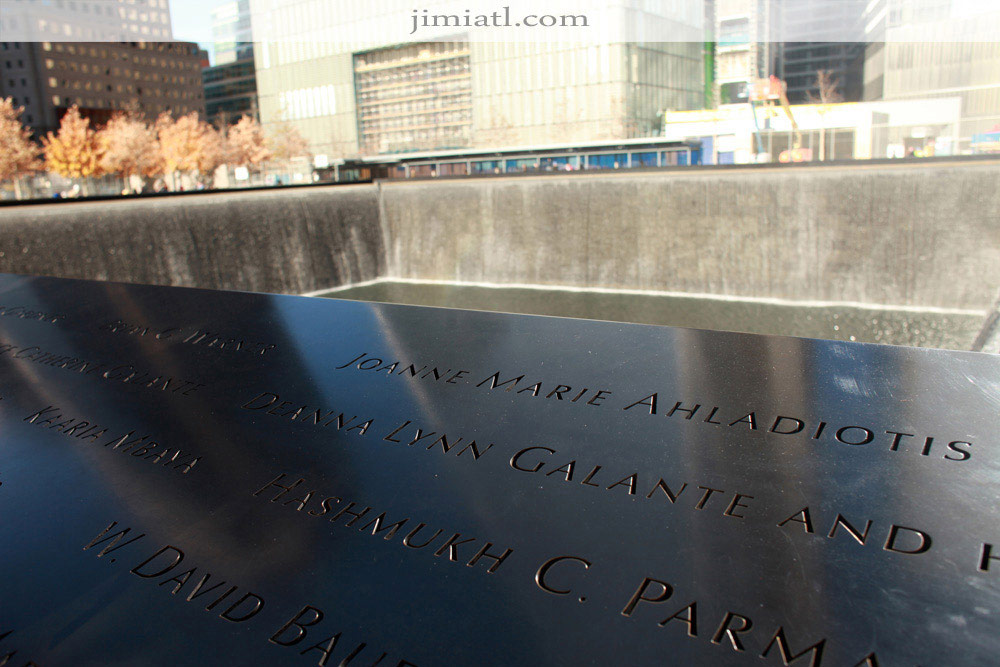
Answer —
640 495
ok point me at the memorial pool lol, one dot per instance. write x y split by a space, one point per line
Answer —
935 328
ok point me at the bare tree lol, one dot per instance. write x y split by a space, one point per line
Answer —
828 93
287 142
828 89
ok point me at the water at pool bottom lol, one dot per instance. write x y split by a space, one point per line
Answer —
947 330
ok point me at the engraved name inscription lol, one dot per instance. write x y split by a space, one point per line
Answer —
753 421
25 313
407 432
293 493
119 373
233 602
142 447
189 336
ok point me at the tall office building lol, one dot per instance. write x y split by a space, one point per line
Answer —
823 35
101 55
319 68
231 83
937 48
47 78
745 45
85 21
231 33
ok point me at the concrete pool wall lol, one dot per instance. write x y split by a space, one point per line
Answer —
285 240
910 234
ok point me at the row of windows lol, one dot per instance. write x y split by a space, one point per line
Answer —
231 88
434 88
123 87
96 7
129 55
118 72
415 106
104 103
232 107
414 73
226 72
70 30
451 117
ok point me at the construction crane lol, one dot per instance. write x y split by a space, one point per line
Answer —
767 92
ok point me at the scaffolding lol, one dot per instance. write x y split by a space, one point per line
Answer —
414 97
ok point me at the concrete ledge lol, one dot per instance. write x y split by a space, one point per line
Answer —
288 241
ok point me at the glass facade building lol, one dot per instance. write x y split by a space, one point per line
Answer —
231 83
814 23
231 32
319 67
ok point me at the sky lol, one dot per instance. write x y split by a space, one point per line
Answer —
192 21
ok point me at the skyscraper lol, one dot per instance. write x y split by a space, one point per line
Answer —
231 84
231 33
91 21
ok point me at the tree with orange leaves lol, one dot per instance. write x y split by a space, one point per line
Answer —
18 153
130 147
247 143
74 151
214 151
188 145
